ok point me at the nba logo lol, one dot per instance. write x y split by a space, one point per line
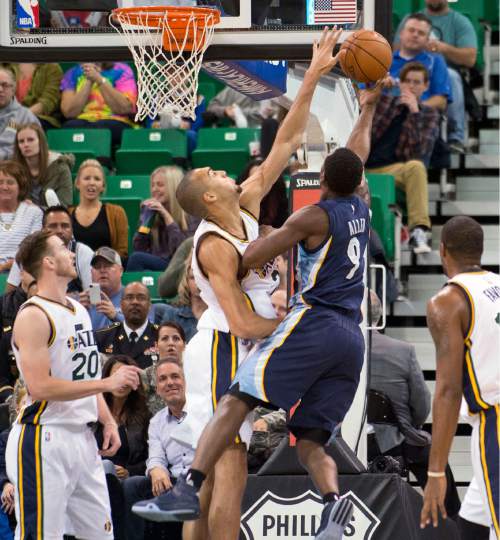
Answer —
27 14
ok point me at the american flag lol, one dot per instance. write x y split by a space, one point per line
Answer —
334 11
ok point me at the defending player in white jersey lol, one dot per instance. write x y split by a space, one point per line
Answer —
239 307
52 457
464 320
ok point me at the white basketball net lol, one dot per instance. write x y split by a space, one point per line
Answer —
167 78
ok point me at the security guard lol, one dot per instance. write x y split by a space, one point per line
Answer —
135 336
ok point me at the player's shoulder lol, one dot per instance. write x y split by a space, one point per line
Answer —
447 301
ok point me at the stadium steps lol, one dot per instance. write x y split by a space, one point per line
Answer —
474 179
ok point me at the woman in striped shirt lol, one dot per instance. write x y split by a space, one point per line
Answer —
18 218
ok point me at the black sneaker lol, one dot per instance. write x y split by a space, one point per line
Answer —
181 503
419 241
334 519
456 147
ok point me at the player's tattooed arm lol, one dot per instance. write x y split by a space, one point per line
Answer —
447 319
289 136
309 224
221 263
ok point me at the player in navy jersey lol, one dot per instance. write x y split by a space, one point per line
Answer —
316 353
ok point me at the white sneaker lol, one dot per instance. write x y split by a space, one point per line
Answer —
419 241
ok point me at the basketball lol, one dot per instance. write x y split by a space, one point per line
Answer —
367 56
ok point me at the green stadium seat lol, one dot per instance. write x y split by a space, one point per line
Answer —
3 281
132 207
147 278
123 185
207 89
224 148
383 194
142 150
83 143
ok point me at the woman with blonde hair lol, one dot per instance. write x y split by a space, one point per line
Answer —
96 223
163 223
45 169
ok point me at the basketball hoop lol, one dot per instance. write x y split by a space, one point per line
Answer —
167 44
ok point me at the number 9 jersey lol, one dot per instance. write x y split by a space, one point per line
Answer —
331 275
73 357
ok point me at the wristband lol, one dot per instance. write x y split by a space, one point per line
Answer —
431 474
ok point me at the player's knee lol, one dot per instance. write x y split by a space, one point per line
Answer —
234 403
309 440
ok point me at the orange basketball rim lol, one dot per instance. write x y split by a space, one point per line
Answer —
186 25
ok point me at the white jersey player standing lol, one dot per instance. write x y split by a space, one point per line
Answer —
239 308
52 457
464 320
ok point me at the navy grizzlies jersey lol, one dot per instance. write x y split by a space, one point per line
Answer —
332 274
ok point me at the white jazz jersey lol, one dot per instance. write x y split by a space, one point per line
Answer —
73 357
482 367
257 285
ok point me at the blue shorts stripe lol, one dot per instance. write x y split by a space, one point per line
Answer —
489 446
30 483
224 363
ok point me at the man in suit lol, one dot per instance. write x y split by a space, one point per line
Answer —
135 336
395 371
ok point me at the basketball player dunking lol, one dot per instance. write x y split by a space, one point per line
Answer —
316 353
239 305
52 457
464 320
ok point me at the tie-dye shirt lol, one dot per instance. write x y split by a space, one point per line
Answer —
120 76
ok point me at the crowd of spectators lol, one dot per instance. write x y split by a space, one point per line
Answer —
37 190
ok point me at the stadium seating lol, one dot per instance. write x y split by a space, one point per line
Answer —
142 150
3 281
383 193
224 148
82 143
147 278
132 207
128 185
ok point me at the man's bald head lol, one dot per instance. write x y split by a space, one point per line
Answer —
190 193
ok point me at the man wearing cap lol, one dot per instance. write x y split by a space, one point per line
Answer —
107 271
135 336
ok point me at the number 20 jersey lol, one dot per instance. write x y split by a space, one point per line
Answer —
73 357
331 275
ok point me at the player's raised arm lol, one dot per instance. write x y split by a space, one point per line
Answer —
447 318
289 136
223 278
32 333
309 222
360 139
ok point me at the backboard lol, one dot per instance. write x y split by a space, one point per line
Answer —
249 29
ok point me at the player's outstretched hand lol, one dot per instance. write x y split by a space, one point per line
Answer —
125 376
110 440
434 494
370 95
322 60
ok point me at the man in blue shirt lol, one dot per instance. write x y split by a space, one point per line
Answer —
414 40
454 37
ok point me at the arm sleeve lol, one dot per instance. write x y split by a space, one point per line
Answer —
420 396
423 132
121 231
126 84
168 282
156 455
465 35
440 84
36 223
51 95
65 189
